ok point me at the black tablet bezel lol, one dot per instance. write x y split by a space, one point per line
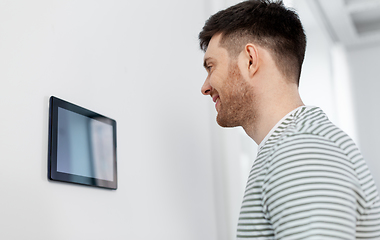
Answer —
53 174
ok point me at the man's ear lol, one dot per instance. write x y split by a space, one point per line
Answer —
252 58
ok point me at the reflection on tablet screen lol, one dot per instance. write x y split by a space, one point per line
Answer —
81 139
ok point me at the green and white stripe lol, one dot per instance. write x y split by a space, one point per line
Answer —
309 181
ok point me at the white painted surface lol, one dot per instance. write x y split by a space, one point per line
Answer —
135 61
343 92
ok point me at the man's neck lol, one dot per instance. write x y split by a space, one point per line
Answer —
270 115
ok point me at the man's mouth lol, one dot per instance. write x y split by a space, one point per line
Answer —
215 98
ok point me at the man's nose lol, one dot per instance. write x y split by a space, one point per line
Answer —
206 88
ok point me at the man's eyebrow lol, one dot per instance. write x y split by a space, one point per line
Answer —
205 62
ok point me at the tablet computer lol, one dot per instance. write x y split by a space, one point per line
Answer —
82 146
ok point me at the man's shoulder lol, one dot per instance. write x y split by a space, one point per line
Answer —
314 124
314 144
306 129
312 128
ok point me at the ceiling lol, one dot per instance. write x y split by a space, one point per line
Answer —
354 23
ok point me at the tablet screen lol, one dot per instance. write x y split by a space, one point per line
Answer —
83 145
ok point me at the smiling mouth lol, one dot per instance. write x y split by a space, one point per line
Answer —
215 98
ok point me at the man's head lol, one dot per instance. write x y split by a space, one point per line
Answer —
226 85
253 55
268 24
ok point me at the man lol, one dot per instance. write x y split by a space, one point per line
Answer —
309 180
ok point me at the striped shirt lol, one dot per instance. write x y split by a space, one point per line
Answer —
309 181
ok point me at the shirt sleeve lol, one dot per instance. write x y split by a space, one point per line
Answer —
310 189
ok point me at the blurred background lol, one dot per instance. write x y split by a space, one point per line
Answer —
180 175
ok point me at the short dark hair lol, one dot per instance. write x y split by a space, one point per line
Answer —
267 23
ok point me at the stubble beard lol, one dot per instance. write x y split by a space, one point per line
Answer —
236 107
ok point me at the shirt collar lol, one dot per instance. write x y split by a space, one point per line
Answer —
276 126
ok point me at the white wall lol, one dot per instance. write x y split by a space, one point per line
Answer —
135 61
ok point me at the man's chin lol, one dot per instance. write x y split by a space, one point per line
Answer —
225 122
